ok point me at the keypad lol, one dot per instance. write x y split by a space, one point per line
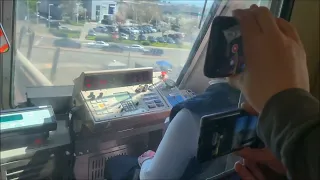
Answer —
128 106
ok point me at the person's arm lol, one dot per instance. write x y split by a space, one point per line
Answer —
176 149
289 125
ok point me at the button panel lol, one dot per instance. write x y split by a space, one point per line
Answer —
152 101
128 106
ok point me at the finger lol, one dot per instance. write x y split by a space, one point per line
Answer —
248 24
248 108
236 80
265 20
256 155
287 29
254 169
253 6
243 172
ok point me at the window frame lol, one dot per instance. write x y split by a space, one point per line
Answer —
7 67
275 7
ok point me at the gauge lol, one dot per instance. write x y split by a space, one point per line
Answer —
170 83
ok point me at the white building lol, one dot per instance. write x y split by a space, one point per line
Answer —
99 8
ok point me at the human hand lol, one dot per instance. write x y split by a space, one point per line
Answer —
274 55
145 156
259 164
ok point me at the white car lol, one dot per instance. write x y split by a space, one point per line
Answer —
64 28
97 44
136 47
124 36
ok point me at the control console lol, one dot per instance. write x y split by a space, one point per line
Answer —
113 95
27 120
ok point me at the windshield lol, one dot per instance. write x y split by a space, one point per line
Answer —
60 39
73 27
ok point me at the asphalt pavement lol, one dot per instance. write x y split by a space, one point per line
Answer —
73 61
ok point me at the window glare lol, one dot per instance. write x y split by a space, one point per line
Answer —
91 35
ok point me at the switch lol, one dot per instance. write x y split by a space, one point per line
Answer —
100 95
52 155
90 95
38 141
67 153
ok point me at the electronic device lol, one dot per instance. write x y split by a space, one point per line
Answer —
27 120
170 92
225 53
4 42
226 132
113 95
227 175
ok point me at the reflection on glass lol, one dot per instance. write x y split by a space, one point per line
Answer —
95 35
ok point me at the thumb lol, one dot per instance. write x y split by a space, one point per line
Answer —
248 108
256 155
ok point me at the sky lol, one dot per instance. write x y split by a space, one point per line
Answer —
191 2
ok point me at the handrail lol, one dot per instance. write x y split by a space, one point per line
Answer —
36 75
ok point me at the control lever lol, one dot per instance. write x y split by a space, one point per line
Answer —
145 88
100 95
91 96
139 89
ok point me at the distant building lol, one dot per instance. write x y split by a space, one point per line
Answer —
98 9
184 9
55 10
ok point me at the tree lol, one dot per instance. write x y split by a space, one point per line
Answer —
140 11
69 7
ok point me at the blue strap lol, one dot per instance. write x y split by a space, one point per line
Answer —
217 97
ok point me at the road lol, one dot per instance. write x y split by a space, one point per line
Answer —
72 61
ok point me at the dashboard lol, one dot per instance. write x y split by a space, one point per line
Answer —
109 97
116 79
37 118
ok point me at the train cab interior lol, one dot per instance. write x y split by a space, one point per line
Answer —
65 112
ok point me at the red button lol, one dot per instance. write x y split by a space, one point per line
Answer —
38 141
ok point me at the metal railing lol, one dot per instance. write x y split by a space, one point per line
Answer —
31 71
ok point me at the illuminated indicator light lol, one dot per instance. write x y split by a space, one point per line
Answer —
235 48
38 141
4 45
103 82
101 105
88 85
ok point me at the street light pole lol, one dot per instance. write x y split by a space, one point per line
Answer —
28 9
77 13
49 18
85 15
37 6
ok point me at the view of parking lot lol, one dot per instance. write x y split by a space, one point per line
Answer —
72 36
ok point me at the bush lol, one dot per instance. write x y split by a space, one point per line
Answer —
104 38
146 43
74 23
65 33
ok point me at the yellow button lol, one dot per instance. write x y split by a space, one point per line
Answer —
101 105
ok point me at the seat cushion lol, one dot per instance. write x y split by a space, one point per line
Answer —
121 167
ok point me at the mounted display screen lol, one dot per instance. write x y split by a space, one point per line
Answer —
119 79
40 118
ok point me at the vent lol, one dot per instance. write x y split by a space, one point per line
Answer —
97 163
27 172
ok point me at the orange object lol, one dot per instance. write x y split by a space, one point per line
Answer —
4 44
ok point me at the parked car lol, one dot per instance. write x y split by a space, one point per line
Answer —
113 48
135 47
97 44
67 43
124 36
153 52
161 40
152 39
142 37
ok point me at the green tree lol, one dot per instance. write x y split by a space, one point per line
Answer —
69 7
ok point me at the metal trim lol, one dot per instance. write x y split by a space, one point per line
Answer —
7 69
